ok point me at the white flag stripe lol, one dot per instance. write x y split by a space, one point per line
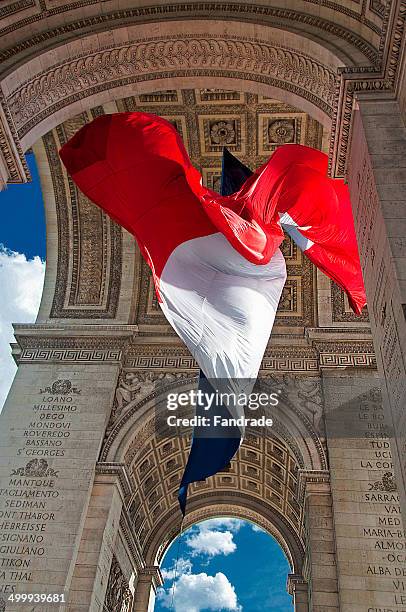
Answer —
222 306
291 227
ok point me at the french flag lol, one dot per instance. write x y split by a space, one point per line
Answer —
203 249
215 259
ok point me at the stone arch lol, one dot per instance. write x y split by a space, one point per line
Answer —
154 463
200 510
279 63
292 425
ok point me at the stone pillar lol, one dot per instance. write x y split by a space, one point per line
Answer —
93 562
377 182
370 544
148 580
298 588
320 563
51 430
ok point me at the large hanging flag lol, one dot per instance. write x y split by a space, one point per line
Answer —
215 260
135 167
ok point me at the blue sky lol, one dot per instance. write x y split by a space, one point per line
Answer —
226 565
22 264
22 227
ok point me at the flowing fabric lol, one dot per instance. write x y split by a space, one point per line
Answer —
215 259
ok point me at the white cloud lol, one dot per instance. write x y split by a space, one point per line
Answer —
21 282
214 537
257 528
211 543
183 566
195 592
231 524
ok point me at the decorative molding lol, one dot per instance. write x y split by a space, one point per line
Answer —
276 359
379 79
79 342
313 481
131 539
342 312
348 360
14 168
334 95
92 242
229 510
286 533
296 582
70 355
270 15
163 57
152 573
119 470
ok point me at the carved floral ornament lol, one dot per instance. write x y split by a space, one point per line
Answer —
245 59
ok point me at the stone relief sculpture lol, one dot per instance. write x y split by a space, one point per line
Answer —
118 595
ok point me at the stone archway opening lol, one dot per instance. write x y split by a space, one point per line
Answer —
265 483
98 320
225 563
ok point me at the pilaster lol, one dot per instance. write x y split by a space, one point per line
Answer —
51 430
149 579
320 563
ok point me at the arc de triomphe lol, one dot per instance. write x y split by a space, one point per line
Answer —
88 486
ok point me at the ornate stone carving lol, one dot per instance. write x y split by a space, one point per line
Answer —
89 238
275 16
284 359
387 483
34 100
383 55
36 355
368 79
378 7
15 7
281 131
61 387
118 595
135 386
37 468
341 309
15 165
306 395
222 132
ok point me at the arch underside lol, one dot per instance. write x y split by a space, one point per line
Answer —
96 276
79 59
262 484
